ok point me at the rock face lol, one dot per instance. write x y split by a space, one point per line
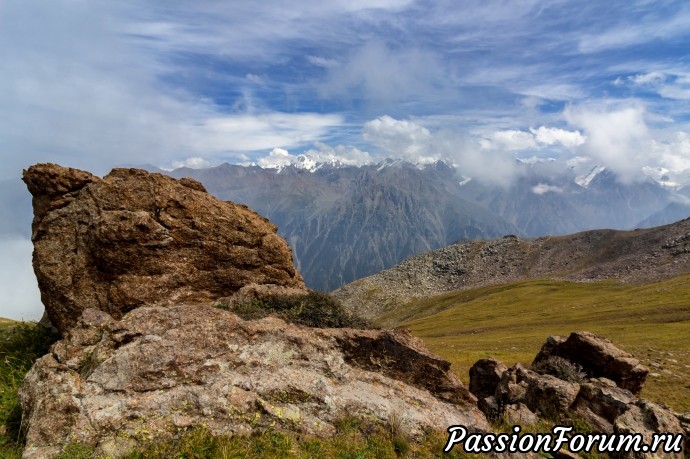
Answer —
134 238
606 404
598 357
112 383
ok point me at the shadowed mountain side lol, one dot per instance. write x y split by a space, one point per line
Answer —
346 223
630 256
671 213
543 203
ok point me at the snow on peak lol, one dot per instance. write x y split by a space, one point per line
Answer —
279 159
586 179
314 160
534 160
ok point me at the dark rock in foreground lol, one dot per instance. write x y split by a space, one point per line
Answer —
603 398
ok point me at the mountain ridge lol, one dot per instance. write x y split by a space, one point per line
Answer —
640 255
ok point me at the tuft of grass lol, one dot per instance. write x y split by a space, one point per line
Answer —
356 438
315 309
76 451
561 368
510 322
21 343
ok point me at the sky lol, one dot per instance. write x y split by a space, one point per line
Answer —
97 84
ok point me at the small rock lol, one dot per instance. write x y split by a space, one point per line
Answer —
485 375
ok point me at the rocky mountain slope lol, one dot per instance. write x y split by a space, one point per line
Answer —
629 256
542 202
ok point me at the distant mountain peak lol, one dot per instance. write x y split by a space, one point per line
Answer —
585 179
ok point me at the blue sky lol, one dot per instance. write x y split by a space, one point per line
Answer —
97 84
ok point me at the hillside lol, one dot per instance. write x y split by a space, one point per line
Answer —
509 322
641 255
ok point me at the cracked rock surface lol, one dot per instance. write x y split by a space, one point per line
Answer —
114 383
136 238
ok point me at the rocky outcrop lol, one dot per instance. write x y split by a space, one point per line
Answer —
607 406
159 370
597 357
134 239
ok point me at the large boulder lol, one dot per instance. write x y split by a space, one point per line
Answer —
555 388
135 238
598 358
160 370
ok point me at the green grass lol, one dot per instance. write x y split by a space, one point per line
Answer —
315 309
21 343
510 322
355 438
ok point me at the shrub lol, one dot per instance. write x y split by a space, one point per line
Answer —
561 368
20 345
314 309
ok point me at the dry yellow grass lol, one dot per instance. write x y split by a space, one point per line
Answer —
510 322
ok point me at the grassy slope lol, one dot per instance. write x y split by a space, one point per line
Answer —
510 322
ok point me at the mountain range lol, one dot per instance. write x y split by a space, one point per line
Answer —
345 222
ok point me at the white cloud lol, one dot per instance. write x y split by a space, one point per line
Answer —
617 136
378 74
673 155
21 299
400 139
554 91
555 136
323 62
649 78
279 158
195 162
349 155
630 34
253 132
517 140
512 140
675 92
256 79
543 188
